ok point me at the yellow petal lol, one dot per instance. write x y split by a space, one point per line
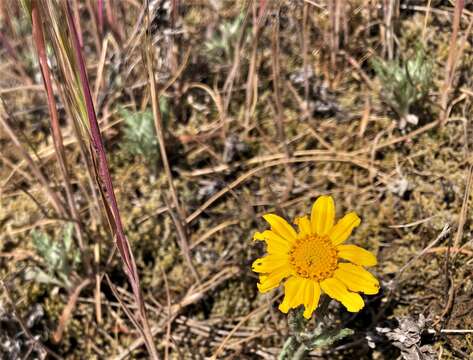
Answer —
343 228
270 281
275 243
293 294
323 215
357 279
269 263
356 255
280 226
312 295
338 291
304 225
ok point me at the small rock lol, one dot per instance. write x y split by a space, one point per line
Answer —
399 186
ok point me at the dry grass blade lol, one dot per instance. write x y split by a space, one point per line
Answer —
451 62
56 131
192 297
236 327
280 160
67 311
52 195
443 234
277 96
179 216
106 187
77 91
464 208
166 130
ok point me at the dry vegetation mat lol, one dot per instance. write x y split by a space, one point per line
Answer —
143 143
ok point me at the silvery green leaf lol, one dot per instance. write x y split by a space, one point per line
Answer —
67 236
38 275
327 339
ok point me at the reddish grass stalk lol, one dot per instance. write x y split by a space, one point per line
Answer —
56 130
95 31
106 187
77 17
174 11
100 15
112 21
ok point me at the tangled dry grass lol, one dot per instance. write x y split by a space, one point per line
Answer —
211 114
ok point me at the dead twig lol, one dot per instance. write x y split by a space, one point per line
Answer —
35 169
443 234
183 244
262 308
68 309
464 209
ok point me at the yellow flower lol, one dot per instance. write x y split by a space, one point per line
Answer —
312 260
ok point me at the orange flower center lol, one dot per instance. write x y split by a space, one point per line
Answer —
313 257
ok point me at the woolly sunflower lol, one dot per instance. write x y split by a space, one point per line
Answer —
313 260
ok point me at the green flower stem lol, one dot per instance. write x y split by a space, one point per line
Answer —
288 348
302 341
301 352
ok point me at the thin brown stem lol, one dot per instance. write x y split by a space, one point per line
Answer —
56 131
277 97
180 216
451 62
52 195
